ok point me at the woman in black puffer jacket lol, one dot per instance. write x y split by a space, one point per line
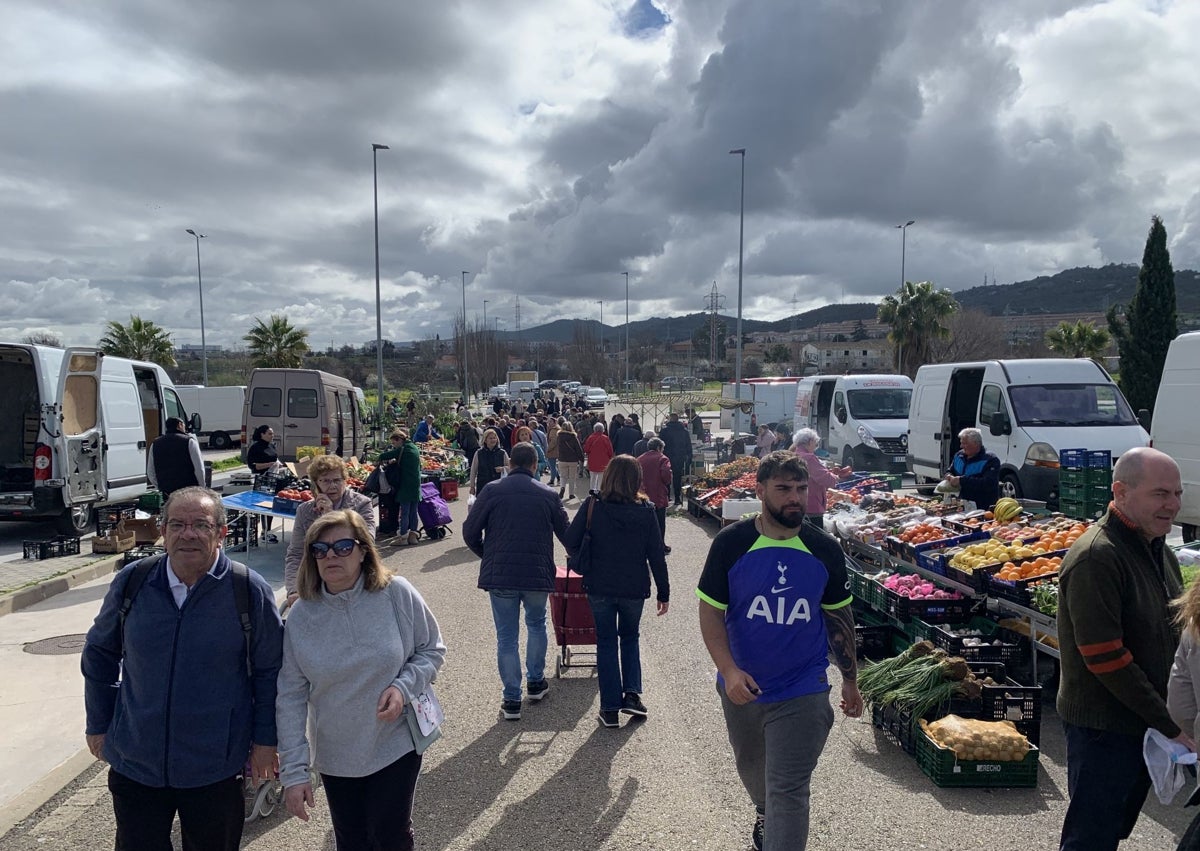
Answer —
625 538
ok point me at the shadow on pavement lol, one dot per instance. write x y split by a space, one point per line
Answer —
451 558
573 809
453 794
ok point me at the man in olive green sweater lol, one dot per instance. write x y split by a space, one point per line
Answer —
1117 641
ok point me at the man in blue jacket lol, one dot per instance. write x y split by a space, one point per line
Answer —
975 471
512 527
178 691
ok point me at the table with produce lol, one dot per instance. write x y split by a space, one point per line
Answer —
956 607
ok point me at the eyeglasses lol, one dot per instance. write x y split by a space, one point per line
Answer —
344 547
329 482
200 527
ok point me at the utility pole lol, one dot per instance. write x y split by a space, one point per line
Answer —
714 303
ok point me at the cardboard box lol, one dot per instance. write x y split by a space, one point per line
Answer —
117 542
144 531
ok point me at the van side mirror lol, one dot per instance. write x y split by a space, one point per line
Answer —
840 414
1143 416
194 424
1001 424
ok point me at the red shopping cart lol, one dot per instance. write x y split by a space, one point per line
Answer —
573 624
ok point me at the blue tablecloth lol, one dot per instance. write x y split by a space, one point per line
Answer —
255 502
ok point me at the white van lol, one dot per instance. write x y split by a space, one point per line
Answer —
862 419
75 431
1173 429
305 407
220 408
1028 410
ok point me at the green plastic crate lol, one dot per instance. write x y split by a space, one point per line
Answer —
1072 478
895 480
150 502
1099 476
945 769
1072 492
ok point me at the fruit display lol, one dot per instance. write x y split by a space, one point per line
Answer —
725 474
992 551
924 533
299 495
1007 509
1040 566
914 587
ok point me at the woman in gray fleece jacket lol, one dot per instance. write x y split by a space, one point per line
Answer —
354 627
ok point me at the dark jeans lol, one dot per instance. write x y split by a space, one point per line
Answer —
661 514
1107 781
210 817
677 472
374 813
409 522
617 620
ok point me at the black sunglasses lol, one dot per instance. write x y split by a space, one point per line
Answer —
344 547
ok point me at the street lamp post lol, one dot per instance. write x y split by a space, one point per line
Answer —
626 387
601 303
200 284
466 381
487 344
903 239
737 387
375 149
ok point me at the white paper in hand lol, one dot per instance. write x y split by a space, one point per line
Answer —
428 711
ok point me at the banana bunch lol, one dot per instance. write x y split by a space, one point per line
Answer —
1006 509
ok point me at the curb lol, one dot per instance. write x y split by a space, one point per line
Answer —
47 588
33 797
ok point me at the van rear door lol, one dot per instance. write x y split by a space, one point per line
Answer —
302 415
926 416
81 440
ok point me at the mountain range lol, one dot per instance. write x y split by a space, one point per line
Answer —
1072 291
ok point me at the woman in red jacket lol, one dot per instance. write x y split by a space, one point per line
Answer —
599 451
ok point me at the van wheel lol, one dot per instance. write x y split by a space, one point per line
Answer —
1009 486
219 440
847 457
76 521
1189 533
924 485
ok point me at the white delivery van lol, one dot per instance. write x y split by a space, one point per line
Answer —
1173 429
220 409
862 419
75 431
1027 409
305 407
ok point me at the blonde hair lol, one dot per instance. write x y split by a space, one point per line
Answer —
375 576
1187 608
323 464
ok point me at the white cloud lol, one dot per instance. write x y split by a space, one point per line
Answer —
540 147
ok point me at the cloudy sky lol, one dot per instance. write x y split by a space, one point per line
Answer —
547 146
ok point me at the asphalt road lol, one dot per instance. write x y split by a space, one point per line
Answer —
557 781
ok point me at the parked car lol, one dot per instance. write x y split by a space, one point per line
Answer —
548 384
691 382
596 397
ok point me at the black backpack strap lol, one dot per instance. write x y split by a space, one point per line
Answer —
137 578
241 597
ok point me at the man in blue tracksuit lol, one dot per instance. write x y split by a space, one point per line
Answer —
975 471
178 692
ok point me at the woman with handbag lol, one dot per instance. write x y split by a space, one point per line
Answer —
613 538
359 693
389 508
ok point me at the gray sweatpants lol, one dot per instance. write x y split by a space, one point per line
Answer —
775 748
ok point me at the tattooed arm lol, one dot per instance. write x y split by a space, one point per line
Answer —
839 624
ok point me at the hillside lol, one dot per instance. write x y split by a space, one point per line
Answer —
1070 291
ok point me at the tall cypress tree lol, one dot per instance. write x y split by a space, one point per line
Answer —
1145 333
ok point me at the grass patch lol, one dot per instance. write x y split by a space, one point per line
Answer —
228 464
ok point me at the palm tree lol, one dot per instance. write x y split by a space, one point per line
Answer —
917 314
277 343
140 340
1081 340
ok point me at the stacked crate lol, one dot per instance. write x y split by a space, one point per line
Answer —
1084 482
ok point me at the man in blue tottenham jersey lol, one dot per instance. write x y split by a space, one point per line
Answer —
774 601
